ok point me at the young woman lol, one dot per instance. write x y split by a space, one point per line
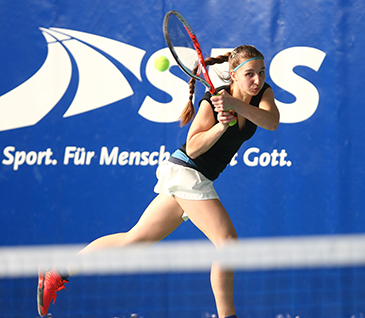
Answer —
185 181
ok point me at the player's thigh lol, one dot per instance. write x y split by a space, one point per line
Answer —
211 218
161 218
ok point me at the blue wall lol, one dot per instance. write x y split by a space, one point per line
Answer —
85 119
96 89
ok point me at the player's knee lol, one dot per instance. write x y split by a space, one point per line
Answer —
135 237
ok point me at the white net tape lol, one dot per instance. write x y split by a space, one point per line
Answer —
189 256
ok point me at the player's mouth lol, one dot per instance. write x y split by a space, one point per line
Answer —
255 90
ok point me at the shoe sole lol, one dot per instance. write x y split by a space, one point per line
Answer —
40 290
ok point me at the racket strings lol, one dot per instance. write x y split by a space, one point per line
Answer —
208 62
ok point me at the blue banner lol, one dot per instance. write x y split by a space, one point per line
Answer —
85 118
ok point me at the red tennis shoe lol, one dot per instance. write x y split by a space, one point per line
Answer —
49 282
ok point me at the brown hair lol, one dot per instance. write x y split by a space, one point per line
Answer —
233 58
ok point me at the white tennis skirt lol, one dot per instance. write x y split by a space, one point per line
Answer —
183 182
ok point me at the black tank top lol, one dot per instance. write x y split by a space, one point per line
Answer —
215 160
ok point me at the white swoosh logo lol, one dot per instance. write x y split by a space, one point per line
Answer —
26 104
100 81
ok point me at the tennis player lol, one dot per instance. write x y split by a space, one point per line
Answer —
185 181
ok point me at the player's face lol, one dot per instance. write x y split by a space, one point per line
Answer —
250 77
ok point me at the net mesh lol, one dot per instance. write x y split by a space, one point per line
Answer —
320 276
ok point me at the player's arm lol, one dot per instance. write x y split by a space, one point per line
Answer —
204 132
266 115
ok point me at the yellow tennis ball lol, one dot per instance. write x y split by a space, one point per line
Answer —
162 63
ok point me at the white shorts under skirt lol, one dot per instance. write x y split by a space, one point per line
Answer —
183 182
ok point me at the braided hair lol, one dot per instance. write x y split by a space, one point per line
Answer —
233 58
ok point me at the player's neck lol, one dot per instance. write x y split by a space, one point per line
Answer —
239 94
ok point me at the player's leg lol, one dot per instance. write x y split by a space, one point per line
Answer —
160 218
213 220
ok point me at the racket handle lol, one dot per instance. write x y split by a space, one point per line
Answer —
232 122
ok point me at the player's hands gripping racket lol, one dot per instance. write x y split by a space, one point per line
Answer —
181 39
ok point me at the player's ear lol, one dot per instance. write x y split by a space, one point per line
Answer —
233 75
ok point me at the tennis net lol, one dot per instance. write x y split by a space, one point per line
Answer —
310 276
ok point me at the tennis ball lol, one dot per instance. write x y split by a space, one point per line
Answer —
162 63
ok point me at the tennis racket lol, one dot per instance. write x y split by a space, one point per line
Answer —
185 48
